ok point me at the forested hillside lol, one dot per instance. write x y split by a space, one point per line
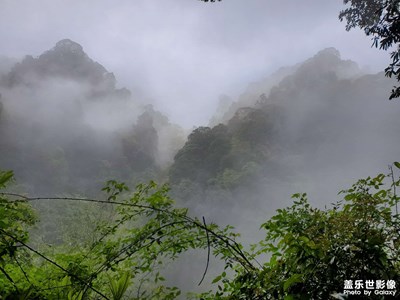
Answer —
66 128
202 150
63 116
323 118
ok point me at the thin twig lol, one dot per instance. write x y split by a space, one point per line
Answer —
22 270
53 263
8 277
230 243
208 253
394 188
130 246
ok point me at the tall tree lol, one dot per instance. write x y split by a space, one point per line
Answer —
381 20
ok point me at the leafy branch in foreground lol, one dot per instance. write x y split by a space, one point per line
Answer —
381 20
146 232
307 252
313 251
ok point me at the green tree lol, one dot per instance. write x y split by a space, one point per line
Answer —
307 252
313 251
140 148
14 219
125 258
381 20
202 156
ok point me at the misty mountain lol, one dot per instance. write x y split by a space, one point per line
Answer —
310 128
313 127
65 127
66 60
317 124
6 63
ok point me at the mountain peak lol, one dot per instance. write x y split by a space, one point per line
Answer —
331 51
66 60
327 62
63 49
67 45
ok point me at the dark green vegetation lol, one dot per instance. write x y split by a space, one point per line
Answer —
310 252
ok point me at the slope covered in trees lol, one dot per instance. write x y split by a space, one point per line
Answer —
63 115
66 127
317 119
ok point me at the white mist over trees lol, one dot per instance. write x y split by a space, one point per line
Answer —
67 128
63 115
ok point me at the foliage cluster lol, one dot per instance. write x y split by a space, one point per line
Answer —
125 258
313 251
226 155
307 252
381 20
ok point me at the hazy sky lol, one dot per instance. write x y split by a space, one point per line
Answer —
183 54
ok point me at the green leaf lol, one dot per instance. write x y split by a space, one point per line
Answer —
5 177
118 288
292 280
397 164
216 279
380 194
349 197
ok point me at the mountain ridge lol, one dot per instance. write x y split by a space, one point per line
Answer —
66 60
